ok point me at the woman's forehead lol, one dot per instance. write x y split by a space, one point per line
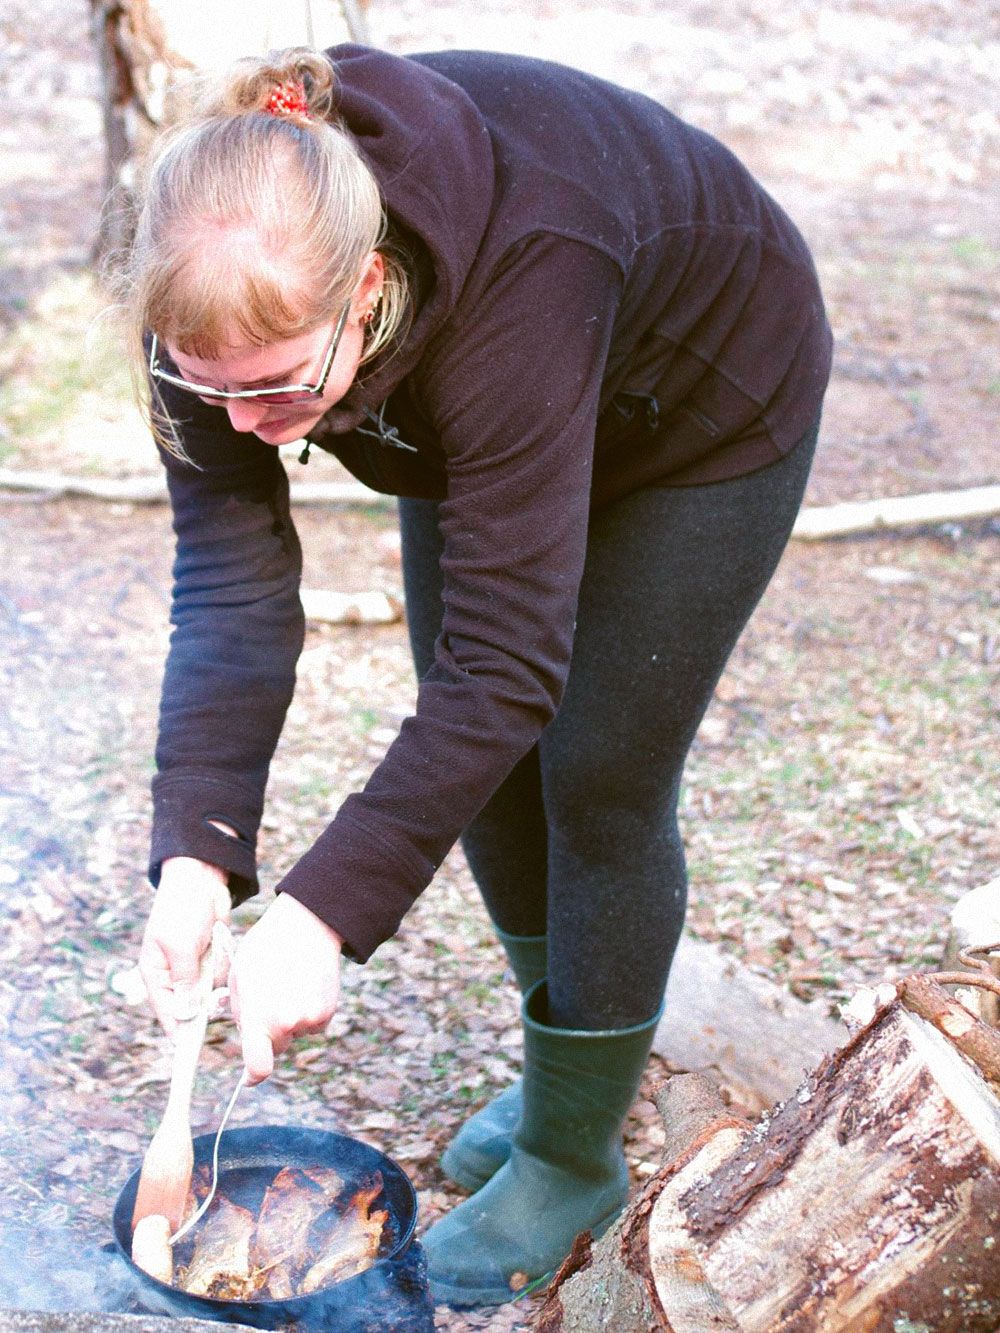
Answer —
224 290
236 358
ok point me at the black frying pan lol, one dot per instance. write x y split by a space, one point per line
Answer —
391 1294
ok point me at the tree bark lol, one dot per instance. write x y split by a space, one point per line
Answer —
867 1203
136 64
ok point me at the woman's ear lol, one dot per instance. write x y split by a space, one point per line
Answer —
369 288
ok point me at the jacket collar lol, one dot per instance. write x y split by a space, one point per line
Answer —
431 152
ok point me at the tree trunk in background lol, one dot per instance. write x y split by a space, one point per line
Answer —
136 65
867 1203
145 46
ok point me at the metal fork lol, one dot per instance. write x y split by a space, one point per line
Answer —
195 1216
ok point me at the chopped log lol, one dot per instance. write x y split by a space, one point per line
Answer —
867 1203
610 1286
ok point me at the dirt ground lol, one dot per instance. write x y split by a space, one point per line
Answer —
842 793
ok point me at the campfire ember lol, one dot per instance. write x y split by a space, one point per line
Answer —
303 1237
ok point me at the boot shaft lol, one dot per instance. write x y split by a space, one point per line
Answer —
527 955
578 1088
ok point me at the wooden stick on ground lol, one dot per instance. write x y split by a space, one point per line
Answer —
903 511
814 523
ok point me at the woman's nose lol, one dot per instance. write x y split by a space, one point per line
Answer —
244 413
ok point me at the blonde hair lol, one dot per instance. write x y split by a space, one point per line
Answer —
255 222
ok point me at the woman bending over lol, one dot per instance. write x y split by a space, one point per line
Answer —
588 351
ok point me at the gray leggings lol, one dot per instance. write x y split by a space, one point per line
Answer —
581 841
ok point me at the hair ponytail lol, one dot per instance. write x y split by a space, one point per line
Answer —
247 85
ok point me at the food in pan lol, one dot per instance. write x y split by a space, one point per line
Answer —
351 1240
151 1248
220 1265
304 1236
293 1202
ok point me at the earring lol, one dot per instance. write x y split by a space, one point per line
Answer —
369 314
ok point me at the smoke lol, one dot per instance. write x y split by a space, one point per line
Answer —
55 1270
58 1271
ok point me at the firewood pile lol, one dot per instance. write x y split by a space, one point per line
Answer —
868 1202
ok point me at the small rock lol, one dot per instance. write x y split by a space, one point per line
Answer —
889 575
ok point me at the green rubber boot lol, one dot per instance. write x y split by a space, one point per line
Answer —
482 1145
566 1171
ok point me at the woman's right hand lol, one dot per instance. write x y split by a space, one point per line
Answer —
192 896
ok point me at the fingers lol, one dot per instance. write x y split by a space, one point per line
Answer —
284 982
223 950
191 900
168 964
155 972
258 1051
186 1000
266 1030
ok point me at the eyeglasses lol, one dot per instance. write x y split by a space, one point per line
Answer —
284 393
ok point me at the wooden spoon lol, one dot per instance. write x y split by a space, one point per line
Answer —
165 1177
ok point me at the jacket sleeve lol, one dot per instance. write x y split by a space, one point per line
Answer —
237 633
512 391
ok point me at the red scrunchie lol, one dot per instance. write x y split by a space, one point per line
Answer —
288 99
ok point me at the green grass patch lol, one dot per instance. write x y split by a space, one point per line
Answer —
975 251
61 367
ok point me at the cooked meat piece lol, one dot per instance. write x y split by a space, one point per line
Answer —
351 1244
326 1178
230 1287
292 1203
279 1280
220 1264
201 1182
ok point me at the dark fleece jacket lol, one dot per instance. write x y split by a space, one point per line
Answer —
604 299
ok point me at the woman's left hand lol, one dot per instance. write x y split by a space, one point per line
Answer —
284 982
